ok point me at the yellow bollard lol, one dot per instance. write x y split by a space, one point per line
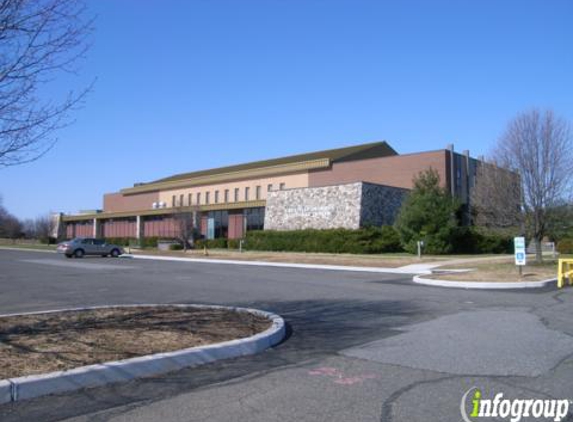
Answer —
564 271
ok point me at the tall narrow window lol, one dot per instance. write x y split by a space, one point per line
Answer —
189 199
247 193
207 195
258 192
236 194
198 198
181 200
282 186
226 198
216 197
269 187
173 199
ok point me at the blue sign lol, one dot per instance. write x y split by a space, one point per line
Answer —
520 257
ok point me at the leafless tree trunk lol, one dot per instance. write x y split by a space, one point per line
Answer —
39 41
44 227
538 146
184 220
496 197
10 226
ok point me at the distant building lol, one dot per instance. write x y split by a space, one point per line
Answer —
346 187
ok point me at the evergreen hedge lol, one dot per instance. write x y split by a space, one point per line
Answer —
363 241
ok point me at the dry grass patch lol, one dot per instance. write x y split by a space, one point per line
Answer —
33 344
375 260
502 272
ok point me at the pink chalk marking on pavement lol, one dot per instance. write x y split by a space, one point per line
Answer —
341 379
354 380
326 370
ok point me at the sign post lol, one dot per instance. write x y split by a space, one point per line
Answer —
520 257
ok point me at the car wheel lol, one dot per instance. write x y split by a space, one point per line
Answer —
115 253
79 253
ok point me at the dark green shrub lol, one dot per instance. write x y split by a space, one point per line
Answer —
176 247
220 243
120 241
428 214
565 246
363 241
149 242
48 240
475 240
233 243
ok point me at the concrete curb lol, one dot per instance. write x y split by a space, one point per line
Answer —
5 391
22 388
491 285
27 249
278 264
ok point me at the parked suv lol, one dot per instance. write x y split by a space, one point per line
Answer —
81 246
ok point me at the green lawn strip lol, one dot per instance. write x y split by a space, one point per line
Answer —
38 246
500 272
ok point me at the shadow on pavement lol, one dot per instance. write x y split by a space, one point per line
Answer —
315 330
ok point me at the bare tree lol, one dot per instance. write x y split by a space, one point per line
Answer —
44 228
538 146
10 226
184 223
39 41
496 197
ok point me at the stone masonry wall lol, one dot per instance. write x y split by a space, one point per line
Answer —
380 204
317 208
348 206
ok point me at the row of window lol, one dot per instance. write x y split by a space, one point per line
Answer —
200 200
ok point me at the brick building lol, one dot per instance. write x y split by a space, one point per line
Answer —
345 187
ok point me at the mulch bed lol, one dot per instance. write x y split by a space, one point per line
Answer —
33 344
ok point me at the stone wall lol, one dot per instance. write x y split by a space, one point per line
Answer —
317 208
348 206
380 204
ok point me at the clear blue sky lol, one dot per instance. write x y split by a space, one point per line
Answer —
188 85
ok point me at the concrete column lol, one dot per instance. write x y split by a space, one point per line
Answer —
96 227
58 227
452 170
139 228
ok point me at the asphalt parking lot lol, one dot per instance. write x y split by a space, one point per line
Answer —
361 347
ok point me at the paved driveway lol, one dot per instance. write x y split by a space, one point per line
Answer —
362 347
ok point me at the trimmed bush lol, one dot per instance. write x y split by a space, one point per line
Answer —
149 242
176 247
120 241
233 243
363 241
474 240
220 243
565 246
48 240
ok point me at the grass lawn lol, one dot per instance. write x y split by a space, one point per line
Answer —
501 272
26 245
391 260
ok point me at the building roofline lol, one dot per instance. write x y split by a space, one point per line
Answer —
165 211
282 165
